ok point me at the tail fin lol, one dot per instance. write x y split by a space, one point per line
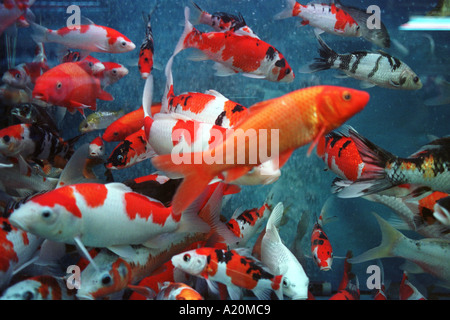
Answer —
39 34
196 179
390 238
287 12
325 62
169 86
197 14
188 27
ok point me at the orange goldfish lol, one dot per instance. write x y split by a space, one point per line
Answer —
299 117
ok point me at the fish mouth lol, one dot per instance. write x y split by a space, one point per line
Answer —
145 75
18 224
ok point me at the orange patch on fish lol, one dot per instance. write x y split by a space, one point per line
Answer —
64 197
187 129
137 205
94 194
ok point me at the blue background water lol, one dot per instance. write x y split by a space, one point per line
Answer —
399 121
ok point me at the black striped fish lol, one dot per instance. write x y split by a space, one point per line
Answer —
374 68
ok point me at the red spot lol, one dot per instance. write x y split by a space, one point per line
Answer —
192 101
342 18
137 205
84 28
7 252
25 239
240 272
64 197
94 194
97 141
297 9
14 131
235 112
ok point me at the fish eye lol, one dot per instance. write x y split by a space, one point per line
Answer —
59 85
346 96
416 79
46 214
28 295
26 109
114 71
123 43
6 139
120 157
106 279
187 257
286 282
17 75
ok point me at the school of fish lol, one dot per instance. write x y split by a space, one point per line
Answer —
163 235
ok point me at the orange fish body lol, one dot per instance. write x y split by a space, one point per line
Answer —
299 117
70 85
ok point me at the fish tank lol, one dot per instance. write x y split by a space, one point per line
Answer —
370 181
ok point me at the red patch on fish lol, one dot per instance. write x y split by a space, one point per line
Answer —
94 194
139 205
187 129
342 18
64 197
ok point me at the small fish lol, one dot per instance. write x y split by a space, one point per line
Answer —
134 149
146 52
128 124
236 52
220 21
229 267
428 167
177 291
300 121
408 291
280 260
89 38
97 148
373 68
431 255
324 17
321 249
112 73
69 85
30 141
45 287
11 12
99 120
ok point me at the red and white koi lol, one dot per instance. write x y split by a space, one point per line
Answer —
236 52
45 287
235 270
133 150
177 291
17 247
12 11
88 38
325 17
349 286
89 215
321 248
146 52
97 148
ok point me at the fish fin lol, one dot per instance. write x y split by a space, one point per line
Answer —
106 96
39 33
236 172
390 238
287 12
316 141
323 63
197 55
126 252
222 70
197 14
79 244
366 84
147 292
50 252
441 214
188 28
254 76
147 101
234 292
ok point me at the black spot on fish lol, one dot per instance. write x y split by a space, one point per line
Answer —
358 56
238 108
6 226
220 118
270 53
280 63
345 145
375 68
345 61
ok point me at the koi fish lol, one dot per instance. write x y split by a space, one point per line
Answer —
177 291
11 12
30 141
35 114
307 115
229 267
17 249
128 124
408 291
374 69
431 255
69 85
261 60
146 52
340 154
247 223
280 260
134 149
324 17
112 73
220 21
349 286
428 167
45 287
97 148
80 211
99 120
88 38
321 248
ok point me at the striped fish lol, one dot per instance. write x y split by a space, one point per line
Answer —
374 68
